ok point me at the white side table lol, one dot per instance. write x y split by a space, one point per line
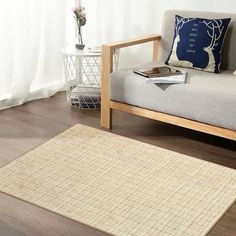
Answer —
83 77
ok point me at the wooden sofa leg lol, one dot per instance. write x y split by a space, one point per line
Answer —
106 116
107 67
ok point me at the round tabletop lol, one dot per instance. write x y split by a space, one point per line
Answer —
85 52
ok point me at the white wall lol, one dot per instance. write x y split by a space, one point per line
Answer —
111 20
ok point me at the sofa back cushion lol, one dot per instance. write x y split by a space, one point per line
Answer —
229 48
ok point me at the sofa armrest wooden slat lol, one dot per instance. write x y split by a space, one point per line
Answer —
135 41
107 68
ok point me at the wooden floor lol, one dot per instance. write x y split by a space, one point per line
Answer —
25 127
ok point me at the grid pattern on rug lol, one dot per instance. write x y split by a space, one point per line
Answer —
121 186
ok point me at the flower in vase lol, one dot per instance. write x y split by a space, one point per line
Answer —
80 18
79 15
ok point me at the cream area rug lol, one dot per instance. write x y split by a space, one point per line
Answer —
121 186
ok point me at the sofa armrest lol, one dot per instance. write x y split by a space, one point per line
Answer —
107 68
135 41
108 48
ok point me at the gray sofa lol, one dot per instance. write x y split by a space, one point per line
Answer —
206 98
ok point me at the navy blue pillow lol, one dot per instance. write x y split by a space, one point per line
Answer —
198 43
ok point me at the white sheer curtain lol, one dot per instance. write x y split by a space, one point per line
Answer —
32 34
112 20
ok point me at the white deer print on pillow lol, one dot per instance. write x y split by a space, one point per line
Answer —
174 60
215 30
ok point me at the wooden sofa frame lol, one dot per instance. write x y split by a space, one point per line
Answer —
108 105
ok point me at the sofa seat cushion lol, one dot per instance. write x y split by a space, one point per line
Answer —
205 97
